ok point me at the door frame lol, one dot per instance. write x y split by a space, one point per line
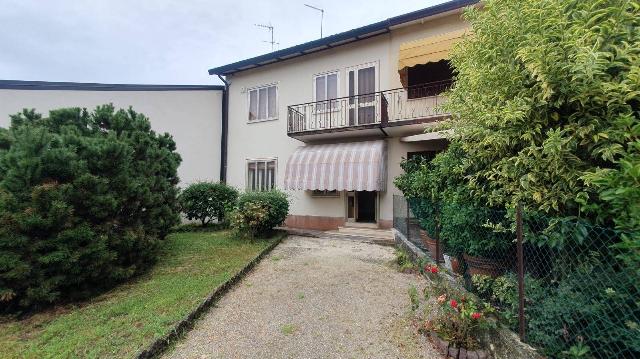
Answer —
356 104
355 209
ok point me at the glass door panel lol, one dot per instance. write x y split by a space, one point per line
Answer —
361 86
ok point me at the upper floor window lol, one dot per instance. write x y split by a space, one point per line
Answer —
261 174
263 104
429 79
325 86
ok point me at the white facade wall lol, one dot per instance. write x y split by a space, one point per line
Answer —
192 117
294 79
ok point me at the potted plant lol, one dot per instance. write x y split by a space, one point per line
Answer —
457 265
432 246
482 265
457 325
454 247
485 254
425 210
470 233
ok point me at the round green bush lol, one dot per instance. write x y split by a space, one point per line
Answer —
206 201
257 213
85 198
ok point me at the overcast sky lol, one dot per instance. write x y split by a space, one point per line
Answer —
163 41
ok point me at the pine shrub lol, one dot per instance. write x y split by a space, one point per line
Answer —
85 198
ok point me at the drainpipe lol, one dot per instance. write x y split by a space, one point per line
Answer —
225 130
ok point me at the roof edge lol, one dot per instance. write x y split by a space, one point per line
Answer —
339 39
92 86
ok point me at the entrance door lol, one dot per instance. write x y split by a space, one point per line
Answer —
366 206
362 206
361 87
351 207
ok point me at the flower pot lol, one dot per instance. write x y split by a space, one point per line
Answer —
430 244
482 265
457 266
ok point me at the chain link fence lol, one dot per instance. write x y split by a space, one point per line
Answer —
405 221
567 286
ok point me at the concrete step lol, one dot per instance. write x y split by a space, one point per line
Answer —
361 238
336 234
361 225
367 232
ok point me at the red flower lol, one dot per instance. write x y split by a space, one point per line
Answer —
453 304
434 269
476 315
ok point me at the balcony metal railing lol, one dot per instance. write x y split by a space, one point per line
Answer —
381 107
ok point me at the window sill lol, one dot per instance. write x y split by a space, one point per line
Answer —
265 120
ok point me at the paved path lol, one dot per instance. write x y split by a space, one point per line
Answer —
313 298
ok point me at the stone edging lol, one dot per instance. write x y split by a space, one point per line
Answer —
158 346
450 351
418 254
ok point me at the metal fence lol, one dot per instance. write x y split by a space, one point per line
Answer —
405 221
383 107
565 285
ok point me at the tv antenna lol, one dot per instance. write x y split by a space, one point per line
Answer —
321 15
270 28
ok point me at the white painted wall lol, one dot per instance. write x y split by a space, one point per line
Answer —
294 79
193 118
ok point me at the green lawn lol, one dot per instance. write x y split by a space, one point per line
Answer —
119 323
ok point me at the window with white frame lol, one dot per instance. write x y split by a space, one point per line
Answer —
325 193
261 174
325 87
263 104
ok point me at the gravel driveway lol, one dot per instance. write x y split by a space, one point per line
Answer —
313 298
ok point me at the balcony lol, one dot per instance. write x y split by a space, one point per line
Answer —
368 115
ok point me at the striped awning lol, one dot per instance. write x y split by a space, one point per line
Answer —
354 166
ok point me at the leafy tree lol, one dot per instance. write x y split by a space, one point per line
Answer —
205 201
546 105
546 110
85 198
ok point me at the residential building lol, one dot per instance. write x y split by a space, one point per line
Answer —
329 121
191 114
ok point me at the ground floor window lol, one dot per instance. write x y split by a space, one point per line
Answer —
325 193
261 174
426 155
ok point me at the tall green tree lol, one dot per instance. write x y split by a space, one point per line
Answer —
546 105
85 198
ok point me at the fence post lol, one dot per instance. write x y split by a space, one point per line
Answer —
406 202
521 318
438 235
